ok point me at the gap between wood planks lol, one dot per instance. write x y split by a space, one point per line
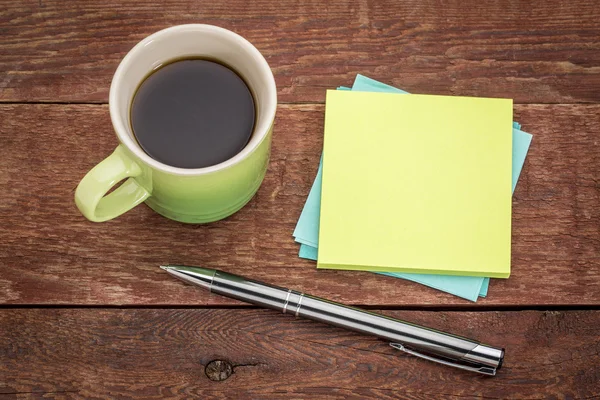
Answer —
426 307
281 103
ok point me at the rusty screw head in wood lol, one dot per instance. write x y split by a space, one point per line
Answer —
218 370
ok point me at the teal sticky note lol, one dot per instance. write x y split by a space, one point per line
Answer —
307 229
308 252
364 84
484 287
464 286
521 143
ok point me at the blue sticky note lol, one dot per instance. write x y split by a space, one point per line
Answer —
308 252
364 84
307 229
484 287
521 143
464 286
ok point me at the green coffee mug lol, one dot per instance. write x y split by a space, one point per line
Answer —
187 195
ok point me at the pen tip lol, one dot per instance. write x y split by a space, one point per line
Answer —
165 267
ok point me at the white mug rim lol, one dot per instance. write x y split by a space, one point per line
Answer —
258 135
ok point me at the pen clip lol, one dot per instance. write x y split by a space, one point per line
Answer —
479 369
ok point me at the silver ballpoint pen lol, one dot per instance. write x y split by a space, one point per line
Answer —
427 343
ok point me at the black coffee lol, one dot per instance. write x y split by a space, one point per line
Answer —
193 113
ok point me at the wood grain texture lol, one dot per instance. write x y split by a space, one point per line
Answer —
49 254
534 52
544 54
159 354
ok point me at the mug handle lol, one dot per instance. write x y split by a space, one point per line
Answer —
91 198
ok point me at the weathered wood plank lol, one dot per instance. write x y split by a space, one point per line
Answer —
49 254
162 353
534 52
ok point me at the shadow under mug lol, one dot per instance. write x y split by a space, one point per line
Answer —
188 195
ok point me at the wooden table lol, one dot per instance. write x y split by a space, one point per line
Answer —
86 313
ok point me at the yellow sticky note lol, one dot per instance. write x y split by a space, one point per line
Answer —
416 183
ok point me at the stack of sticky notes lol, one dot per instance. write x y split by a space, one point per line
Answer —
415 186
